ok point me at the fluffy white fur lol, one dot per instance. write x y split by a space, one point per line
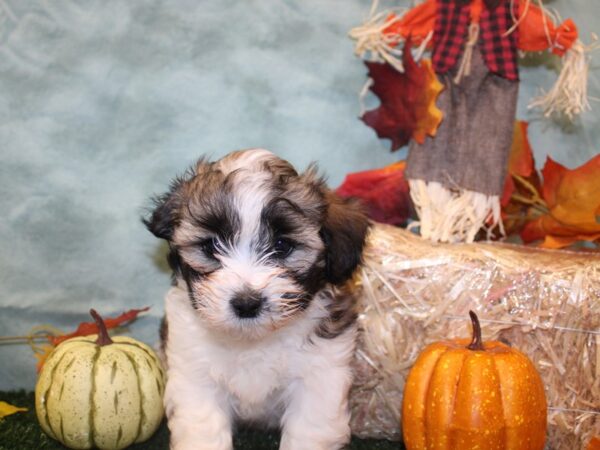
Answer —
291 377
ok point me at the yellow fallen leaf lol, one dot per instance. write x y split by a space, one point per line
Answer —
6 409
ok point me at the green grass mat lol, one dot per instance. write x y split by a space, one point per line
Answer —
21 432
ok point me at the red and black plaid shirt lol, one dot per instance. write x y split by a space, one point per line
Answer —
451 33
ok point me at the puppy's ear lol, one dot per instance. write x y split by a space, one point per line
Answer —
343 232
165 215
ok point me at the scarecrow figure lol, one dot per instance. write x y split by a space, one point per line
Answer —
457 176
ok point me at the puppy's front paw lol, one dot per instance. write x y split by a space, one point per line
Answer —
199 442
333 436
193 432
289 442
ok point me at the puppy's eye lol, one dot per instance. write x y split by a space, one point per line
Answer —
282 248
210 247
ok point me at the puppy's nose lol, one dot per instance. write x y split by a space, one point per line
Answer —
247 305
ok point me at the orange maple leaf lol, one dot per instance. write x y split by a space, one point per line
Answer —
429 116
573 201
407 110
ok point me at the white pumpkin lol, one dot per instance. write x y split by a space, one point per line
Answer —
95 391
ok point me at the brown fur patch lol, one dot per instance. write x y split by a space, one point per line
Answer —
342 312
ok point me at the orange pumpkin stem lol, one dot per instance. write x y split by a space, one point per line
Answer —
103 337
476 343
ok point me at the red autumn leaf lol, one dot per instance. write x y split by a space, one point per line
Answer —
384 192
573 201
407 110
87 328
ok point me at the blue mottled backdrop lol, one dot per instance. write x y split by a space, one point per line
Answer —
102 102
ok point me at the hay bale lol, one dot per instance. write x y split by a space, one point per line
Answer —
545 303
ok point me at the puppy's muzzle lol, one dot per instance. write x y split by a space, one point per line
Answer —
247 305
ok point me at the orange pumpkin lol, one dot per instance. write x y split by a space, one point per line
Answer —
463 395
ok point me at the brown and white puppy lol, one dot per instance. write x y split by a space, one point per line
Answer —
259 326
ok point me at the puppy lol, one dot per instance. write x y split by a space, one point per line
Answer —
259 325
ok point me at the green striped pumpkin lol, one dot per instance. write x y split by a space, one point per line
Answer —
95 391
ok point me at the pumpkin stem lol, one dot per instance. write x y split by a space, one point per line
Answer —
103 337
476 343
